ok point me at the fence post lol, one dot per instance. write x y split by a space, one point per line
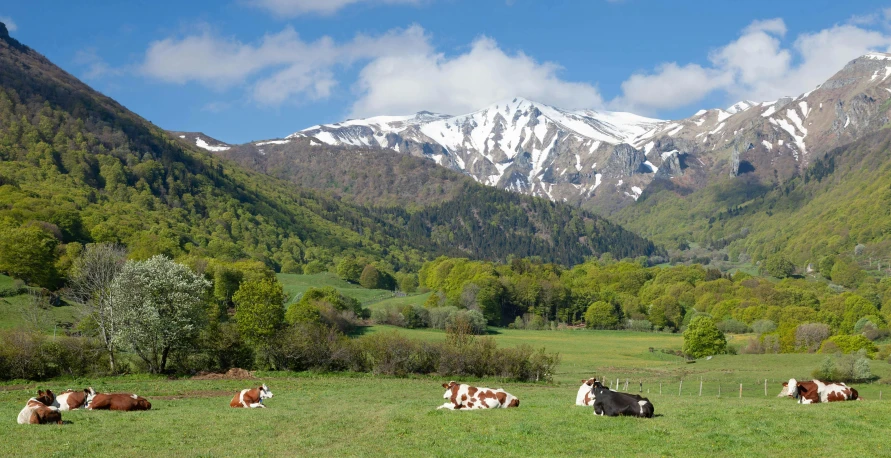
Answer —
617 384
765 387
880 395
660 387
700 386
680 385
626 384
740 390
640 388
719 390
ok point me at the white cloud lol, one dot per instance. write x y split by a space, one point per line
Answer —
94 66
279 67
485 74
10 24
402 73
293 8
756 66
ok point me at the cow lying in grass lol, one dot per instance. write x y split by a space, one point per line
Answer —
39 410
70 399
119 401
814 391
251 397
612 403
465 397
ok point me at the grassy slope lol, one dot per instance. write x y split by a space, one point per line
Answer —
360 415
298 284
11 310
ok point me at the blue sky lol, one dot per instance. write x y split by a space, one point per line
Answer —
242 70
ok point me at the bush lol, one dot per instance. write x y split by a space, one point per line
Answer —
314 267
314 346
473 318
439 316
848 368
764 327
702 338
733 326
391 353
601 315
34 356
17 287
848 344
639 325
408 316
808 337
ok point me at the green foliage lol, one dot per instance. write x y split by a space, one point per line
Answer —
349 269
848 344
732 326
779 266
308 306
28 252
703 338
370 278
601 315
259 310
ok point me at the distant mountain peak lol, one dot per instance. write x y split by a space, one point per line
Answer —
740 106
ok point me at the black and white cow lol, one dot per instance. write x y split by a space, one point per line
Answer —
612 403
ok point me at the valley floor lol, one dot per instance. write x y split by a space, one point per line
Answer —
361 415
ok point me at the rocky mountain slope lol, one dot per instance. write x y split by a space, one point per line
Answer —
606 160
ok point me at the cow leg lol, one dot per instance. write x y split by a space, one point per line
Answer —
257 405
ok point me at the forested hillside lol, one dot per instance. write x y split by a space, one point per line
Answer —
838 207
77 167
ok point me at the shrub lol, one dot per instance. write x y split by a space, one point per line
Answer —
17 287
808 337
391 353
601 315
733 326
305 346
314 267
849 344
473 318
854 367
702 338
638 325
34 356
439 316
764 327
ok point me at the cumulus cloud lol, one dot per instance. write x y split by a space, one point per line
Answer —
293 8
401 72
10 24
459 84
755 66
94 67
279 67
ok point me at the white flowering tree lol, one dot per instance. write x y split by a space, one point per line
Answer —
158 306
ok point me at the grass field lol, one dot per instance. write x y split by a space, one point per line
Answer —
361 415
11 308
298 284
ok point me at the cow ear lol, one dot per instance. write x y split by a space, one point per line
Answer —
785 383
445 385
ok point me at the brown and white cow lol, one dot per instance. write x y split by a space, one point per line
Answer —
251 397
38 411
119 401
70 399
465 397
584 396
814 391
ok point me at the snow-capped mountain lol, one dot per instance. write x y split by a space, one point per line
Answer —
608 159
516 144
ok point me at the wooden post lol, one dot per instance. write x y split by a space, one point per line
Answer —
719 390
880 395
680 385
700 386
765 387
640 387
626 384
740 390
617 384
660 387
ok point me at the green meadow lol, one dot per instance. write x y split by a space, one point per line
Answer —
363 415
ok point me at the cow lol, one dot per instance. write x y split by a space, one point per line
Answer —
465 397
251 397
38 410
70 399
584 397
815 391
612 403
124 402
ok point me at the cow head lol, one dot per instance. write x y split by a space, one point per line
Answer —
89 393
46 397
264 392
449 387
142 403
793 389
590 381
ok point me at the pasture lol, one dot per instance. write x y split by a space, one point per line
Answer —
362 415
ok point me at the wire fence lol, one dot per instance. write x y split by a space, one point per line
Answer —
717 388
